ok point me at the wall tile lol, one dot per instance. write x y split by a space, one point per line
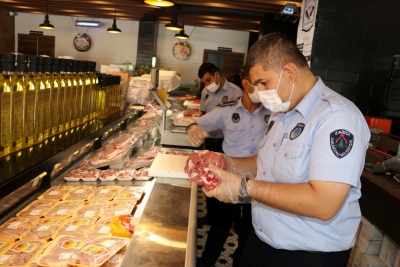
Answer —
373 33
321 50
328 63
335 86
334 16
394 94
341 76
319 72
355 89
330 5
324 27
363 44
345 53
352 7
348 30
366 21
356 66
377 57
330 39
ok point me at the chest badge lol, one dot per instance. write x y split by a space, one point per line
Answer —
266 118
225 98
341 142
270 124
296 131
207 95
235 117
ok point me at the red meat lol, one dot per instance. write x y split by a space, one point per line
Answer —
198 171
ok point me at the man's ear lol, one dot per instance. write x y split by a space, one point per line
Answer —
291 70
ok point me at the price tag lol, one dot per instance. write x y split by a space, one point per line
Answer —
108 243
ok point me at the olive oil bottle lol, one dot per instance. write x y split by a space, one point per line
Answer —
78 83
44 98
85 81
53 84
62 85
67 94
72 97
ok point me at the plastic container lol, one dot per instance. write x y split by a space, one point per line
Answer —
125 175
5 243
22 252
80 192
55 192
15 226
108 175
119 207
64 209
134 193
100 228
105 192
382 124
37 208
91 176
43 229
74 227
75 175
92 209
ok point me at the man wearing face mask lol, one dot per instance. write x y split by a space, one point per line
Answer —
305 195
243 124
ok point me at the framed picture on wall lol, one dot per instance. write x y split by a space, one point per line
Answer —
181 51
82 42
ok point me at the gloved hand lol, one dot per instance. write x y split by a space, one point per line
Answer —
230 166
196 135
230 186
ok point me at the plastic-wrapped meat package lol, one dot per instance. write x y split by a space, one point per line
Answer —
43 229
123 140
151 154
105 192
148 108
186 97
92 208
101 227
22 253
134 193
75 175
116 260
36 259
125 175
119 207
145 122
198 171
82 192
137 130
142 174
98 252
137 163
61 249
14 227
64 209
191 113
177 152
37 208
91 175
112 156
55 192
108 175
74 226
183 121
5 243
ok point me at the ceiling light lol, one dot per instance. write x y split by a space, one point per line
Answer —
289 13
159 2
114 28
182 35
84 23
174 25
46 23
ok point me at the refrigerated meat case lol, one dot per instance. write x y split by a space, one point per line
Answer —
165 233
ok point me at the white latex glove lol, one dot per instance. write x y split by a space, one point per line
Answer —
228 186
196 135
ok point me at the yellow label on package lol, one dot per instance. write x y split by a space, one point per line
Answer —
24 247
79 222
16 223
5 258
71 243
3 244
94 250
49 222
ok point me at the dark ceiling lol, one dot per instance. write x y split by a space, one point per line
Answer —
244 15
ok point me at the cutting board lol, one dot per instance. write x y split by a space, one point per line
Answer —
171 166
191 103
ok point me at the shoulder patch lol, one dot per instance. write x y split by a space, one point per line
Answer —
228 103
235 117
225 98
341 142
296 131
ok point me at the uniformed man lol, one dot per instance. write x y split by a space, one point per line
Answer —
243 124
304 199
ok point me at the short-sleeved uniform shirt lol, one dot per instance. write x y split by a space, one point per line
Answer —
323 138
242 130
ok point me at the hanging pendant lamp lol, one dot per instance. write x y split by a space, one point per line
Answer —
159 2
182 35
174 25
46 23
114 28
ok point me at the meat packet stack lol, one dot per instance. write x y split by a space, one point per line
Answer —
98 252
22 252
16 226
43 229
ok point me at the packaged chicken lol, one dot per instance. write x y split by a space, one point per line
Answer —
125 175
108 175
116 260
14 227
37 208
101 227
22 252
55 192
98 252
5 243
75 175
42 229
91 176
61 249
142 174
119 207
123 225
74 227
92 208
105 193
80 192
130 193
34 263
64 209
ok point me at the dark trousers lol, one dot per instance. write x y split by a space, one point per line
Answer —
246 227
259 254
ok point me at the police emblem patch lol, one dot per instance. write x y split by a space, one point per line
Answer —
270 124
225 98
297 130
207 95
235 117
266 118
341 142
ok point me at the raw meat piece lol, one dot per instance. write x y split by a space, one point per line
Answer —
80 192
22 252
192 113
101 227
61 250
108 175
75 175
119 207
151 154
150 115
123 139
93 209
137 130
186 97
116 260
197 101
183 121
43 229
64 209
125 175
142 174
137 163
105 193
55 192
98 252
198 171
151 108
14 227
74 227
144 122
130 193
37 208
91 175
177 152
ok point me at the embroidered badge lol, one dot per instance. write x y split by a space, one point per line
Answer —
341 142
235 117
225 98
270 124
266 118
297 130
207 95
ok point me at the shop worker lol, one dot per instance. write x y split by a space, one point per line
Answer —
304 198
243 124
216 90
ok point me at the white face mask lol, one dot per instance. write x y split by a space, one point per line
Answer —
271 99
212 87
254 97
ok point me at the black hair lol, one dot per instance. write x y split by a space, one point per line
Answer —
207 68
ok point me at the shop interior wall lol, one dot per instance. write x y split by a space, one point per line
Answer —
7 34
106 48
353 46
200 39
